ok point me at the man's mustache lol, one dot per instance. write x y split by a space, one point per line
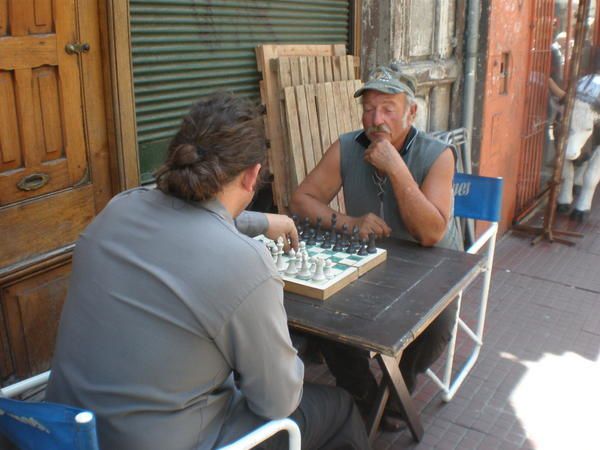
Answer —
383 128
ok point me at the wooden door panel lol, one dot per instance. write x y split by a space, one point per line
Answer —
43 225
42 83
32 311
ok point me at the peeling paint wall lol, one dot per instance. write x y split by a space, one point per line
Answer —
421 35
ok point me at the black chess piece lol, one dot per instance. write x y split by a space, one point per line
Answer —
311 237
362 251
326 240
345 240
338 246
371 247
354 241
333 222
318 234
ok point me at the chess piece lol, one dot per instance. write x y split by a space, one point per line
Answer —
354 241
338 246
345 240
291 268
280 260
371 247
319 275
311 237
333 222
326 240
274 253
305 273
318 234
328 270
362 251
302 247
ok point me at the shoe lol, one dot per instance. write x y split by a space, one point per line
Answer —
392 422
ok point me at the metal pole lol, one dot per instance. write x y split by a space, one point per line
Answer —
473 18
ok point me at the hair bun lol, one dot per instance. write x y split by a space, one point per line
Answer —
185 155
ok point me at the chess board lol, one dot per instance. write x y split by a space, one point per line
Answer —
346 268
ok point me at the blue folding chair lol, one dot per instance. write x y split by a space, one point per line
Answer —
50 426
42 425
478 198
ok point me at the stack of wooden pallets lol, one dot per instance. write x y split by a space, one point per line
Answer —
308 93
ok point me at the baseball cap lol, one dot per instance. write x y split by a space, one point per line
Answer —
389 80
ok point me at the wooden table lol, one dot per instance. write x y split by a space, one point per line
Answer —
386 309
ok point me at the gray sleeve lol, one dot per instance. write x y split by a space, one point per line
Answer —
251 223
256 342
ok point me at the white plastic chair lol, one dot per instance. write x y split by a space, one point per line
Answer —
264 432
478 198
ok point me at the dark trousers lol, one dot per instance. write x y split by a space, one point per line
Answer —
351 368
328 419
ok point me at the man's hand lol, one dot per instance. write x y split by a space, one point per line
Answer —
382 155
370 223
280 225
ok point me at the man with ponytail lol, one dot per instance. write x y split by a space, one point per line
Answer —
168 300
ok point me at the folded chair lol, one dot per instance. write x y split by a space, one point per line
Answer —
41 425
478 198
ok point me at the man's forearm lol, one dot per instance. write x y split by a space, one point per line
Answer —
421 218
305 205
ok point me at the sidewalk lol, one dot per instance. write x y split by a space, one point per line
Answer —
536 384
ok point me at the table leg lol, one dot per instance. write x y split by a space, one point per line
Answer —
391 372
383 393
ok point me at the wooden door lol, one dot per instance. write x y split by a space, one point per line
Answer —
54 171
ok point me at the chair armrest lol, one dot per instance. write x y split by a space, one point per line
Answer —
22 386
490 233
265 432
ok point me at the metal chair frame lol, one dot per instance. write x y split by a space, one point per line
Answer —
487 240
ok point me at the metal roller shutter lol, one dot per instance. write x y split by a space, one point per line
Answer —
184 49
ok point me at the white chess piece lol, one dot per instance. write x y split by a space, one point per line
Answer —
274 253
319 275
291 268
280 260
305 273
328 270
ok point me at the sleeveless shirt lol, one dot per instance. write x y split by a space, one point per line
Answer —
361 189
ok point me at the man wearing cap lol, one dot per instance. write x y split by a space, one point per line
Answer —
397 182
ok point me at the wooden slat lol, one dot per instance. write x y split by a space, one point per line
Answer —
313 126
344 74
320 65
312 70
271 99
332 119
324 111
306 148
337 74
10 146
27 52
294 138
